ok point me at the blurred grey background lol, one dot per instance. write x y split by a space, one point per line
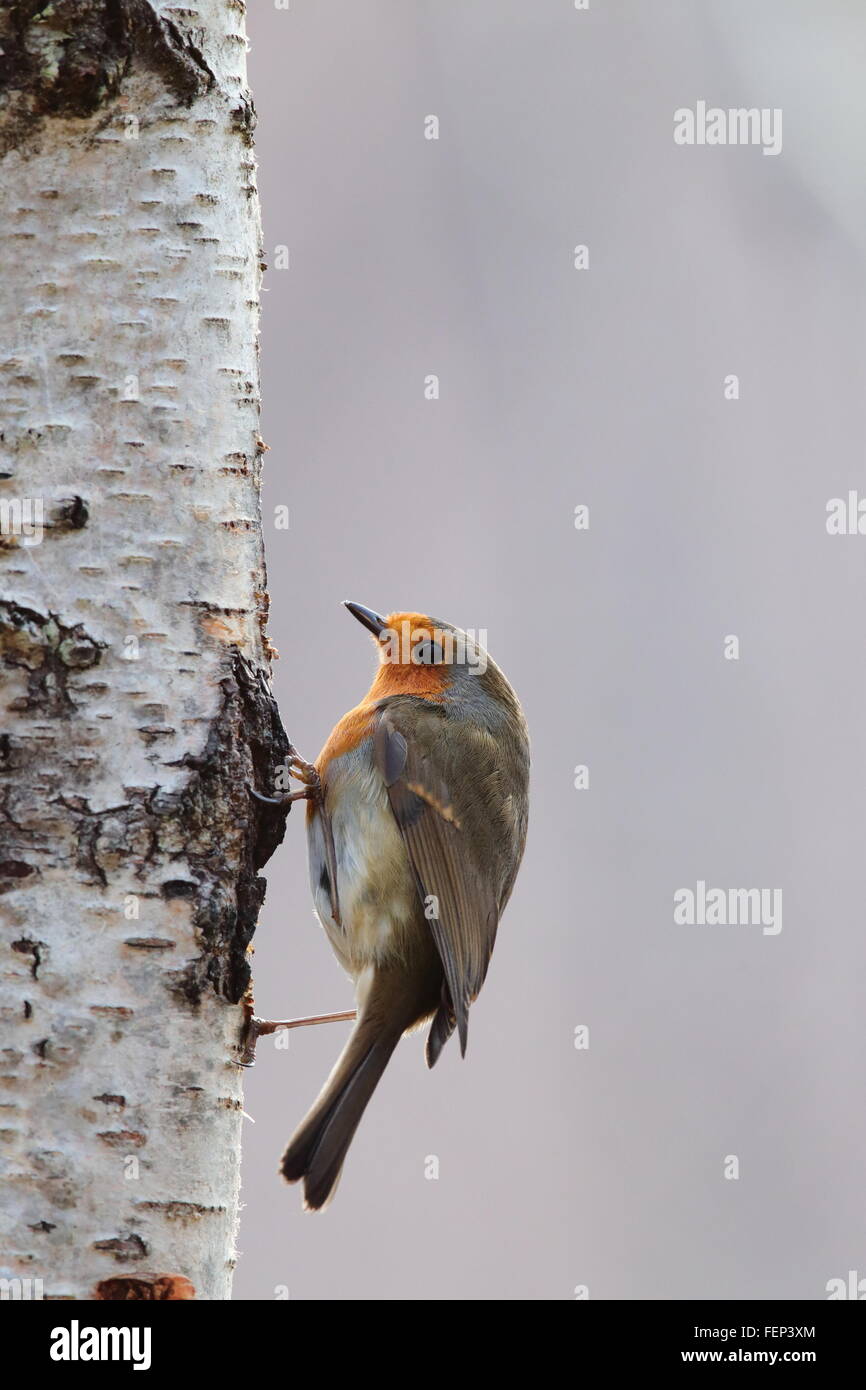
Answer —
561 1167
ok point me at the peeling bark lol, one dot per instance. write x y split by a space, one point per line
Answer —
135 705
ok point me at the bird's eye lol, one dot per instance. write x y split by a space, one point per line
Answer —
427 653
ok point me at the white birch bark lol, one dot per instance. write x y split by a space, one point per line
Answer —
133 703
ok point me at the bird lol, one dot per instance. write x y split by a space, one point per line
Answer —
417 811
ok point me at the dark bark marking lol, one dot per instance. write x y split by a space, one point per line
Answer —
213 825
246 745
128 1247
48 651
70 58
146 1288
27 947
179 888
123 1138
185 1212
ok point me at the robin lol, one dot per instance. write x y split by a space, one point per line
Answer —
416 821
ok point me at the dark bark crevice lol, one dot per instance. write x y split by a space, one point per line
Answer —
209 839
246 746
70 57
213 826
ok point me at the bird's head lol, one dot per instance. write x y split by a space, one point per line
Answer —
423 656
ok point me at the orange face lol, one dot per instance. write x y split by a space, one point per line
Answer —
411 659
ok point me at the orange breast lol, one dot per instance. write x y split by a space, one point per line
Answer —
351 730
403 677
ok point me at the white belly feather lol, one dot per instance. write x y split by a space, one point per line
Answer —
377 893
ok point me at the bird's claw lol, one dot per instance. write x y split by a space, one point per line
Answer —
305 773
260 1027
267 800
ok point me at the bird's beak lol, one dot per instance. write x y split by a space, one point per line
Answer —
370 620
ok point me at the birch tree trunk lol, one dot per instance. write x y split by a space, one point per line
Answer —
135 704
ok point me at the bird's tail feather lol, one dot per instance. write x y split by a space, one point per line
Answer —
443 1025
318 1147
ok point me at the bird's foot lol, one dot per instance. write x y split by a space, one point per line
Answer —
311 790
283 802
260 1027
303 772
